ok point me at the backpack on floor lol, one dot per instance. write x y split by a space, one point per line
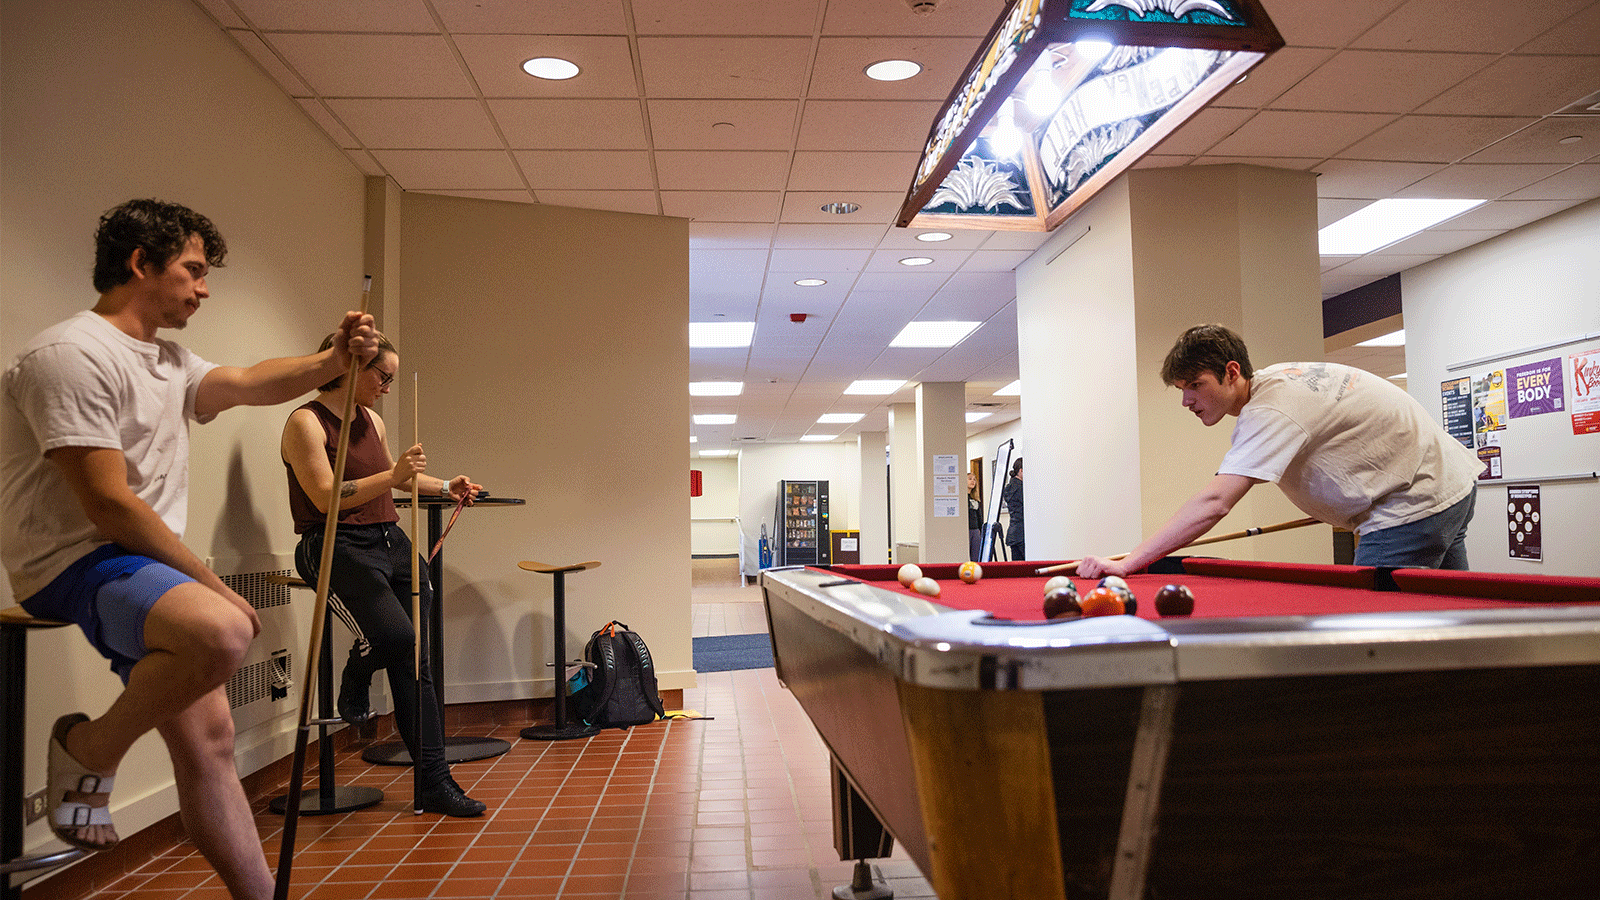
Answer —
622 681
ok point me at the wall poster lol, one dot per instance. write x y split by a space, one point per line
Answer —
1455 396
1584 367
1489 407
1523 522
1535 389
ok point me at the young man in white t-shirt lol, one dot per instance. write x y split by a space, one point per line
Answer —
94 459
1345 446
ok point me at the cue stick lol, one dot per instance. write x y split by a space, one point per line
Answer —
297 769
416 605
1071 568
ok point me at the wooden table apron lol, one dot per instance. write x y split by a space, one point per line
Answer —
1447 749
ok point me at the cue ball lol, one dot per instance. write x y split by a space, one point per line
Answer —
1102 601
970 572
1175 600
927 587
1062 603
1059 581
908 573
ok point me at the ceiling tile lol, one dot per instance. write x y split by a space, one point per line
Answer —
709 235
374 65
418 124
433 170
503 196
1380 80
846 171
1201 132
996 260
1272 76
346 15
1575 35
1331 211
291 83
1326 24
543 17
944 261
605 64
642 202
1438 242
1466 25
725 17
722 206
1504 215
1575 183
1520 86
723 124
222 12
1541 143
722 170
830 234
960 239
1439 139
1016 240
586 170
1470 181
320 114
1366 179
1274 132
570 124
703 67
840 70
971 18
803 206
803 262
865 124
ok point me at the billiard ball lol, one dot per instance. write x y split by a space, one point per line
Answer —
1102 601
1113 581
1062 603
927 587
970 572
1130 603
1175 600
908 573
1059 581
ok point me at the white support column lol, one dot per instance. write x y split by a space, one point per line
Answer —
905 478
874 501
942 451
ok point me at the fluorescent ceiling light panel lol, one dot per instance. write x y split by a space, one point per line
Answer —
840 418
716 388
1385 222
704 335
876 388
933 334
716 419
718 452
816 438
1014 389
1392 339
977 416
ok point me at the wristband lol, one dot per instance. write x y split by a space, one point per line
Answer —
444 489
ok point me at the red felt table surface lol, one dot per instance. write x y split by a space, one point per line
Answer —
1012 590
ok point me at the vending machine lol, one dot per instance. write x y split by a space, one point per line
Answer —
801 537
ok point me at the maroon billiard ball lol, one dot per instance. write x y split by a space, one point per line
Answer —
1175 600
1062 603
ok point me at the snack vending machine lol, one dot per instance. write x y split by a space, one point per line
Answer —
802 523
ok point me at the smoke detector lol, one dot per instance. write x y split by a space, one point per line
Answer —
923 7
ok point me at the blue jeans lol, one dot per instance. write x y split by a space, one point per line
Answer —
1437 542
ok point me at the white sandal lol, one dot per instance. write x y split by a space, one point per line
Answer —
69 817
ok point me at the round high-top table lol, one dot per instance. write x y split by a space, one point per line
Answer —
457 748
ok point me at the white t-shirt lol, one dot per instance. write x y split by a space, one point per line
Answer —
1347 447
84 383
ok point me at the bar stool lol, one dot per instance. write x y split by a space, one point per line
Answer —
15 623
329 798
562 729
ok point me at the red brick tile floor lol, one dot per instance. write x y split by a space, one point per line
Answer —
730 807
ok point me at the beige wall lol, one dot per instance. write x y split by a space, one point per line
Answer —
536 341
105 101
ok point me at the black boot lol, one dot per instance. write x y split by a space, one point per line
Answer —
355 706
446 798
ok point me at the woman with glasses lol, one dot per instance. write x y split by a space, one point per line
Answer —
371 577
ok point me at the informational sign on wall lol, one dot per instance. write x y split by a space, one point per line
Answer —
1455 396
1523 522
1489 407
1534 389
1584 368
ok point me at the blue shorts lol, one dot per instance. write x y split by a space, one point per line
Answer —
108 594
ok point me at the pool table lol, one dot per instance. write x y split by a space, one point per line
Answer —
1309 731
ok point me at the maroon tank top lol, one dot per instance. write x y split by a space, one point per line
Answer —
366 456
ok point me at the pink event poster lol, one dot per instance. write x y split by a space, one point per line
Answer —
1584 370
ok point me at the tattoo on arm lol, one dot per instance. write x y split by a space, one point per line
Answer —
347 489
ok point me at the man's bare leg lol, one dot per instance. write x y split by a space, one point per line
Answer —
211 801
196 641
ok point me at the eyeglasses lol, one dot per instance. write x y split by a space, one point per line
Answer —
384 378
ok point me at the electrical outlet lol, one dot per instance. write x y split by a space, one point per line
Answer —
33 806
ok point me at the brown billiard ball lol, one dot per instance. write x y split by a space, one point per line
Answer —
1102 601
1175 600
1062 603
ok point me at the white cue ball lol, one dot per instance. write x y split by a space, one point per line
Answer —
908 573
1058 581
927 587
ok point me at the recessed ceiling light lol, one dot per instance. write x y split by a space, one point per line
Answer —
819 437
1571 139
1014 389
916 261
877 388
1392 339
842 208
1385 222
716 419
811 282
977 416
933 334
550 68
934 236
840 418
893 70
720 334
716 388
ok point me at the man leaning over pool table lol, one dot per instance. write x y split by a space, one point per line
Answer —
1345 446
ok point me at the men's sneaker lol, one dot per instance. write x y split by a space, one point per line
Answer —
446 798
